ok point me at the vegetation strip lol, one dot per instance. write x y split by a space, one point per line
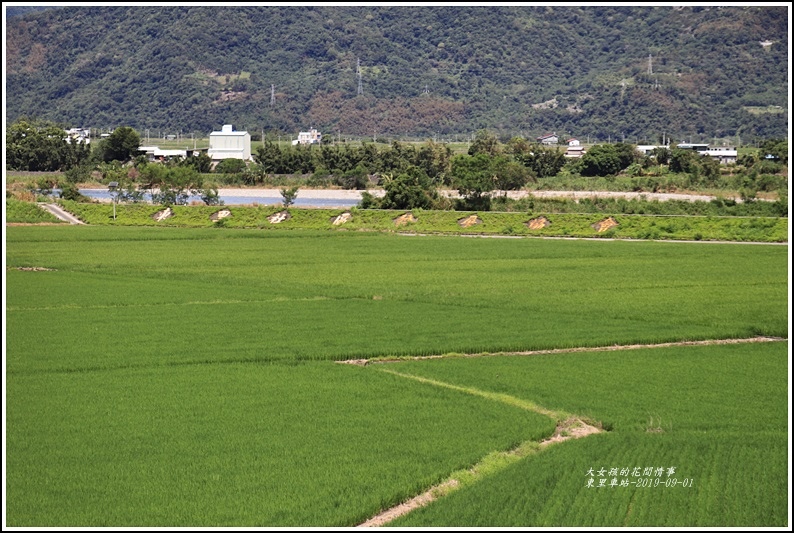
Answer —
568 427
616 347
437 222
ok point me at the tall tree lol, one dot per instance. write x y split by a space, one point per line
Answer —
121 145
41 146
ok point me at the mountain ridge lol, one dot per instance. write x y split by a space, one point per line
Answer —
597 71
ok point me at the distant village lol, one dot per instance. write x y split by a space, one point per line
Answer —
231 144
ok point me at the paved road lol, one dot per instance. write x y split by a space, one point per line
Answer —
60 213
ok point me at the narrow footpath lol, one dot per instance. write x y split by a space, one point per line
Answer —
60 213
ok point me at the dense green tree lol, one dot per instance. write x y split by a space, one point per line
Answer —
170 185
398 158
607 159
435 160
230 166
202 162
411 189
357 178
510 175
474 178
544 162
41 146
661 155
485 142
683 160
269 156
777 148
122 145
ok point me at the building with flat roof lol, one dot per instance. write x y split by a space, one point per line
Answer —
308 137
230 144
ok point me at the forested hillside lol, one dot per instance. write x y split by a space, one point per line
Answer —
619 72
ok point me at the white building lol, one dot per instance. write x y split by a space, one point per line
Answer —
646 149
230 144
153 153
722 154
82 135
549 138
309 137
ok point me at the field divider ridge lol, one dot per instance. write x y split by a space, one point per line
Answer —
552 351
568 427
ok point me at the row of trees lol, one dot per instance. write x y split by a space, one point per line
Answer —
410 174
42 146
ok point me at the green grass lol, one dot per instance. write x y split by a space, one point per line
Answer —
18 211
237 444
161 376
717 414
366 295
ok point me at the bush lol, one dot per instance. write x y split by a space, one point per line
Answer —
69 191
230 166
357 178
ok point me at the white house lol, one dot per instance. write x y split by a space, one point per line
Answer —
549 138
309 137
230 144
82 135
573 142
723 154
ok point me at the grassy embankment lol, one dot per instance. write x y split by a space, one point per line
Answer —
756 229
28 213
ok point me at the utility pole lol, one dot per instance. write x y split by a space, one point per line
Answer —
272 95
650 65
426 91
358 69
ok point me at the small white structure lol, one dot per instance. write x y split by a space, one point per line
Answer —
80 135
153 153
646 149
575 152
230 144
549 138
724 154
573 142
308 137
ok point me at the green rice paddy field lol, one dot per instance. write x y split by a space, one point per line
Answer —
187 377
